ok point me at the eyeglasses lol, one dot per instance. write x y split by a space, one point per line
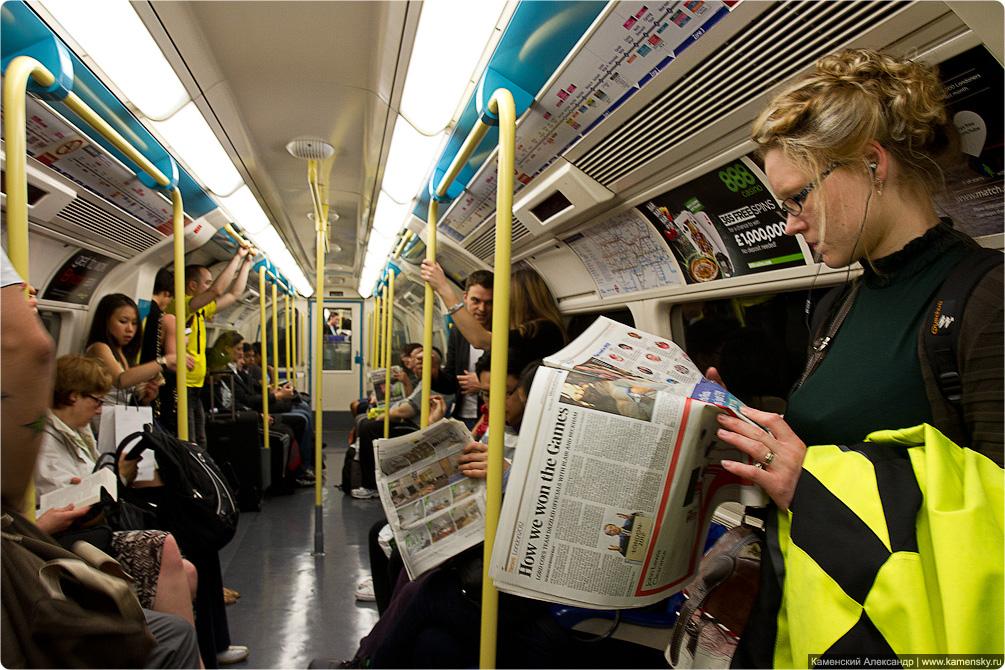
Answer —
509 392
94 398
794 206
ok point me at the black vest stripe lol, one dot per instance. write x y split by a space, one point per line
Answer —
898 490
835 538
863 641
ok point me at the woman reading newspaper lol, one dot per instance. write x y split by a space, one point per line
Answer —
852 149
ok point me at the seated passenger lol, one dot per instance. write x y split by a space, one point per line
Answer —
405 413
26 385
164 581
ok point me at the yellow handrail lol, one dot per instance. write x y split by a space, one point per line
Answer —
500 104
288 336
321 242
293 324
262 327
387 354
275 335
181 375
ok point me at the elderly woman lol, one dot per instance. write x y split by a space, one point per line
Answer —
165 582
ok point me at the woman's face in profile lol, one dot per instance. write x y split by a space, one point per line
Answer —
831 220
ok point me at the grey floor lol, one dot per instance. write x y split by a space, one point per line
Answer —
296 606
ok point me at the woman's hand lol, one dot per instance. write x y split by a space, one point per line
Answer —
150 391
189 361
433 273
58 519
712 375
779 473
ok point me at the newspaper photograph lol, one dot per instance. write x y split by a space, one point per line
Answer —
378 379
617 475
434 510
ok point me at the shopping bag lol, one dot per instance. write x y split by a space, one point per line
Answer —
119 422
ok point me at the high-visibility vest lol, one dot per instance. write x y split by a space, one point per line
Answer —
893 546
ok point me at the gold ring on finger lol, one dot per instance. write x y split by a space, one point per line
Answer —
759 466
770 457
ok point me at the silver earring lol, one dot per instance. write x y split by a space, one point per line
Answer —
879 187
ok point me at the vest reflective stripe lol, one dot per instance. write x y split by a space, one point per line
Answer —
893 546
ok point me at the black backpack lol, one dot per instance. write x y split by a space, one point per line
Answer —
195 504
352 473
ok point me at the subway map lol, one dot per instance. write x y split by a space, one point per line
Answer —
625 255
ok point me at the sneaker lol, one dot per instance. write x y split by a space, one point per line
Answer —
232 654
364 591
304 483
363 493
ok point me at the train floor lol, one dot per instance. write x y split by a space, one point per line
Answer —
295 605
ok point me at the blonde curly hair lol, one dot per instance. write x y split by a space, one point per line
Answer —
828 116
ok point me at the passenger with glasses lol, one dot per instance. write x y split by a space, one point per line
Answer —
855 151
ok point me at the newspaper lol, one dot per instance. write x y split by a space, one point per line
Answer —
433 509
378 379
617 473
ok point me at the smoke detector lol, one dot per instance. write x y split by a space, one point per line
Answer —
310 149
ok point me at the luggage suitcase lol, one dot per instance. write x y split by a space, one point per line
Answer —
235 445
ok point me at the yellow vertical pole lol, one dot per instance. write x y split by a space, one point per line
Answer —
369 337
265 375
321 230
427 317
301 331
275 334
387 355
289 335
502 103
15 135
293 340
181 411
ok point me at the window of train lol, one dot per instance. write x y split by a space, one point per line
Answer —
52 322
580 322
758 343
337 345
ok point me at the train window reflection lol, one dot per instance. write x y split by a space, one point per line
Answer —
337 350
757 343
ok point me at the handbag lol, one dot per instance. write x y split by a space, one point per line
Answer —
63 609
721 595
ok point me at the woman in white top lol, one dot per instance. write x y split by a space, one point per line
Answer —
164 581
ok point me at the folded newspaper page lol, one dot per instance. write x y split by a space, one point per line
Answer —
617 473
434 510
378 379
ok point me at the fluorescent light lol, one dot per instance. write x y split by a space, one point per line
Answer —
437 76
112 35
408 161
389 216
195 143
268 240
246 211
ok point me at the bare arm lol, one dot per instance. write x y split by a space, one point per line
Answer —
402 411
472 331
167 341
237 290
122 378
219 286
26 388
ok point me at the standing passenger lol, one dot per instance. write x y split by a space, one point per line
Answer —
203 298
158 340
535 324
462 355
852 148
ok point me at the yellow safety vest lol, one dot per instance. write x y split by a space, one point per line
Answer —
891 547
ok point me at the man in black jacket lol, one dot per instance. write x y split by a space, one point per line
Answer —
459 370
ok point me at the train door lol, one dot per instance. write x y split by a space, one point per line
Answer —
342 353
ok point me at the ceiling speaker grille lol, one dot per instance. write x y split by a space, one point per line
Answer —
484 246
776 46
95 220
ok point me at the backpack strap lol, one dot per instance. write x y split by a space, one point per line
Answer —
841 298
940 330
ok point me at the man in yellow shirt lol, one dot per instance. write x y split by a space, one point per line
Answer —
204 296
